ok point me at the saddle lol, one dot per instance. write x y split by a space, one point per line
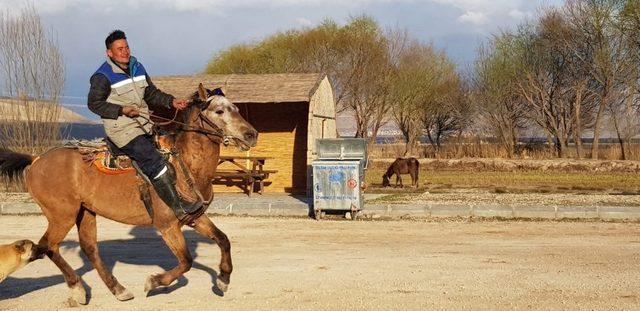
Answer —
110 163
108 159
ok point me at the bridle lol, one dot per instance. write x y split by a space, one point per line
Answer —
202 105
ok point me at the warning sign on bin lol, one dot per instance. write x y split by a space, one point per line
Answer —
352 183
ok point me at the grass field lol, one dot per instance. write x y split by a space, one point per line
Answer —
530 181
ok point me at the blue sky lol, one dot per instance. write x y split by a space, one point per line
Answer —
176 37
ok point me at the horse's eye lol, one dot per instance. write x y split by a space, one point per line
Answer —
219 111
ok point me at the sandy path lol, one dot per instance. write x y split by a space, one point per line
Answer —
299 264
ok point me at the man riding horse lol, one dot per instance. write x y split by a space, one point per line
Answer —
120 93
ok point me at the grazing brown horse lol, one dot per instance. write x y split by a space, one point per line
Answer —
409 166
80 192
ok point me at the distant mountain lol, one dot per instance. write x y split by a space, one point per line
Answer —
346 125
12 109
82 131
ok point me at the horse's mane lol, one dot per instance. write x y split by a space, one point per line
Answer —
390 170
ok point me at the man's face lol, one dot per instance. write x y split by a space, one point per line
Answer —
119 51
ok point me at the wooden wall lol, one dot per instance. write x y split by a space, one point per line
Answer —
322 122
282 129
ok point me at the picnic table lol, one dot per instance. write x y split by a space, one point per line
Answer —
247 174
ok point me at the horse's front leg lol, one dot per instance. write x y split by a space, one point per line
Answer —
205 227
399 178
174 238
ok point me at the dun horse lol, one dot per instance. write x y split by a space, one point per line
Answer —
80 192
409 166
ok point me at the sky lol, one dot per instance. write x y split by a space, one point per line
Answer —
179 37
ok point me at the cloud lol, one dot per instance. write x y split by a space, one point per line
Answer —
476 18
482 12
304 22
56 6
519 15
486 7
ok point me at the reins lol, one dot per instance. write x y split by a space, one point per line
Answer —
189 128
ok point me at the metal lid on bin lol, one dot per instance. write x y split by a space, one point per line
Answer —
341 149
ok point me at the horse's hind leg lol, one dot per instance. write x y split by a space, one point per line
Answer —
174 238
205 227
56 231
87 235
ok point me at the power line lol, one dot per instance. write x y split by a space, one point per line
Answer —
74 105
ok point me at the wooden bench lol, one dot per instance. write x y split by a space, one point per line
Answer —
248 178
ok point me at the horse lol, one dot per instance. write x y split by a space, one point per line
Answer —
409 166
80 193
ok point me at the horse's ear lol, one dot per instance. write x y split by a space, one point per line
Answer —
202 93
217 91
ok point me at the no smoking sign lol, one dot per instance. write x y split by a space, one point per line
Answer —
351 183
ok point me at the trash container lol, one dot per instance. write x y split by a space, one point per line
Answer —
338 175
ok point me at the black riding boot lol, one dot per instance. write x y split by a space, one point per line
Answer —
165 186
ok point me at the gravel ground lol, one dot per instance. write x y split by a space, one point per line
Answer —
477 196
299 264
466 196
570 199
21 197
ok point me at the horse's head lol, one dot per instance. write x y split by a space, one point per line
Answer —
225 116
385 181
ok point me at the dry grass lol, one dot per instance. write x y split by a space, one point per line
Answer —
531 181
476 148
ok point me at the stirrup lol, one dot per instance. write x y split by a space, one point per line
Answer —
189 218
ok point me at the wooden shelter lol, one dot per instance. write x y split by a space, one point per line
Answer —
289 111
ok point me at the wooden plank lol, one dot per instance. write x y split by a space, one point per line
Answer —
227 158
232 176
268 171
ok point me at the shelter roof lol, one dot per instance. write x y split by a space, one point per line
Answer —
246 88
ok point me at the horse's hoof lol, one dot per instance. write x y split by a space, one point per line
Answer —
124 295
152 283
77 295
222 283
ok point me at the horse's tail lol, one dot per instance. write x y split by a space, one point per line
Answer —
417 164
417 170
12 164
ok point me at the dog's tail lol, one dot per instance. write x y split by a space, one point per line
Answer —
12 164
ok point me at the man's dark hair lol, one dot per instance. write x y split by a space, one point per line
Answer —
113 36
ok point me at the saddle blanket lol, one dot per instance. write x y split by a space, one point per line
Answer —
98 154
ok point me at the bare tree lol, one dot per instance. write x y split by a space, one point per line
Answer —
445 110
625 120
608 66
366 76
33 76
412 80
500 109
547 84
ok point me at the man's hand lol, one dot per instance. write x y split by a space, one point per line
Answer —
180 103
130 112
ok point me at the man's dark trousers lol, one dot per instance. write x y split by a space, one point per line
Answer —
143 150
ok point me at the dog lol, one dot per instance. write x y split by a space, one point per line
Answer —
17 255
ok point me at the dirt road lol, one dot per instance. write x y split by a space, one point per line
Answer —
300 264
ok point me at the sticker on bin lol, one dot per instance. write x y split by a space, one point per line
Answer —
352 183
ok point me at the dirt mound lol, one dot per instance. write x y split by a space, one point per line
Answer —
513 165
